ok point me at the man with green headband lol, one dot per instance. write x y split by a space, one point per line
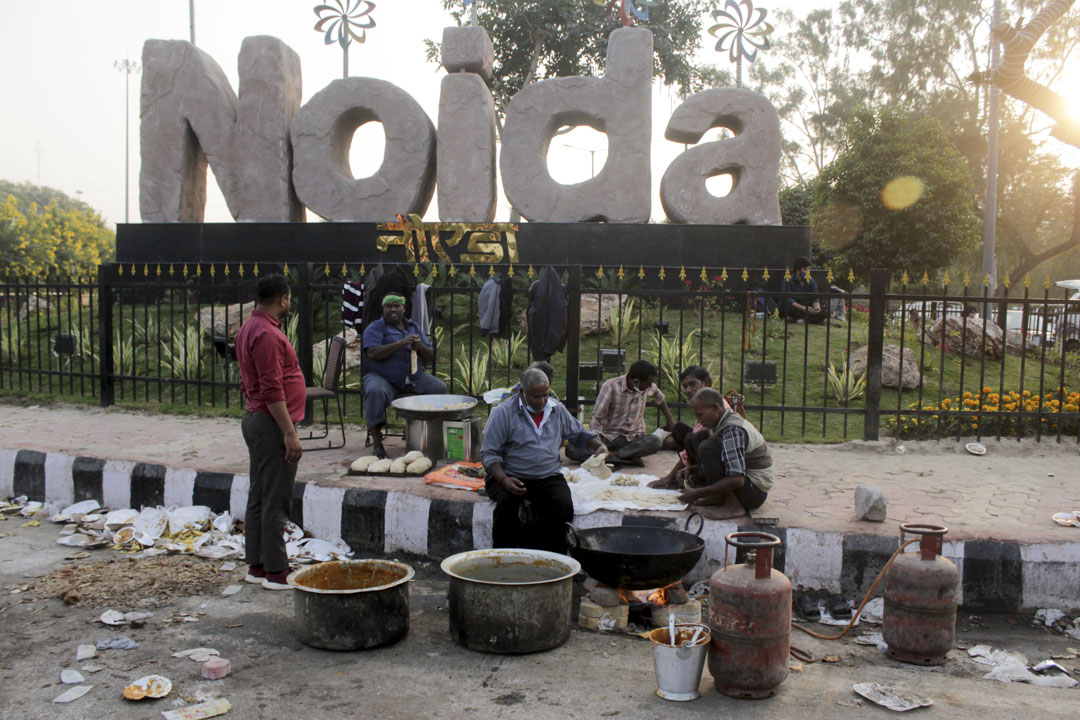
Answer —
396 350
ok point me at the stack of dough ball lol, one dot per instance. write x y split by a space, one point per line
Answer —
412 456
419 466
361 464
398 466
380 466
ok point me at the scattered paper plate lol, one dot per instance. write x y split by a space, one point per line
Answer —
975 448
1066 518
893 698
151 686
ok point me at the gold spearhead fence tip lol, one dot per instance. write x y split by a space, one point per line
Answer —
416 270
851 276
662 274
745 274
472 269
254 270
344 270
723 274
285 270
170 270
146 270
434 271
967 278
240 269
1047 283
682 272
133 271
620 274
787 273
198 270
226 269
510 271
491 271
641 272
530 273
765 275
600 271
945 278
452 271
211 269
326 270
986 280
904 278
119 269
157 270
185 271
829 276
925 278
1006 282
1027 280
704 275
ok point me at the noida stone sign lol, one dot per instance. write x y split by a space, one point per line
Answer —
272 156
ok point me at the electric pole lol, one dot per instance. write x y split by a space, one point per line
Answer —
127 67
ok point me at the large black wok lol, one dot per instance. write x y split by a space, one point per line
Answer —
636 557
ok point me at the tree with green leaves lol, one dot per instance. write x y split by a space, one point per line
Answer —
537 39
43 230
898 196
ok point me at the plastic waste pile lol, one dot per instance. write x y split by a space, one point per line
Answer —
188 530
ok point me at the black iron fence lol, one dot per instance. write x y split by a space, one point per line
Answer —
912 360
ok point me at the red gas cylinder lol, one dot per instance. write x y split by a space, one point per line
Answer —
750 620
920 600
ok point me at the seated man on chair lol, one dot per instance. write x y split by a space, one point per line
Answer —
728 456
396 350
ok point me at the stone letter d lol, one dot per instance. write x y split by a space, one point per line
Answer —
618 104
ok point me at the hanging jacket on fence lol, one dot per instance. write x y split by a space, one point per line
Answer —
489 308
547 315
381 282
352 305
421 308
506 305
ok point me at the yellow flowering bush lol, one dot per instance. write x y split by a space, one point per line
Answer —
1009 413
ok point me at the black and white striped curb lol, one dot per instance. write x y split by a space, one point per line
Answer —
1003 576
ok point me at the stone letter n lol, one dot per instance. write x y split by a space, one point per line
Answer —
190 115
619 104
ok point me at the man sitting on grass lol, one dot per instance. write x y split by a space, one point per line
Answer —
728 456
619 415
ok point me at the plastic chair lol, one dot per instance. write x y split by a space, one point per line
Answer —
335 361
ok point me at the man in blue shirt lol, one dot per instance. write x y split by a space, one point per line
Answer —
521 456
396 350
801 300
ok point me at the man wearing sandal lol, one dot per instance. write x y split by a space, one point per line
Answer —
728 456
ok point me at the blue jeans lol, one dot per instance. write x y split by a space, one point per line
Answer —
379 392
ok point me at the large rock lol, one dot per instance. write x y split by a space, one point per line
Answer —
33 304
191 116
354 349
619 104
224 320
466 150
967 335
890 367
752 158
322 134
870 504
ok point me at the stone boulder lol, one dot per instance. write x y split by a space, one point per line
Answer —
967 335
214 320
870 504
354 349
890 367
33 304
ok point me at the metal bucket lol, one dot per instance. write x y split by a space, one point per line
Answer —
678 669
351 605
510 600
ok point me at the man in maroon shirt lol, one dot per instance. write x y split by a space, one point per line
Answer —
275 390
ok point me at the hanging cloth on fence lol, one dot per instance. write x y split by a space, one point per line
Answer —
421 308
352 305
488 306
547 315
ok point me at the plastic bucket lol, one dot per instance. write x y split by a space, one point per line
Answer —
678 669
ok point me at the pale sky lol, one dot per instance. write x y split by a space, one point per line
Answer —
62 122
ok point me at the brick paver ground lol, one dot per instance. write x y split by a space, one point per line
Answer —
1008 494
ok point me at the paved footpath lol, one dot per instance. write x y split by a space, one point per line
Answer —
997 506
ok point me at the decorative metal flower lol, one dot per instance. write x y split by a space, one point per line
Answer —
340 19
741 30
627 10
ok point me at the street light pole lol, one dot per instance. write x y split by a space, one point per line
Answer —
191 19
127 67
990 215
592 157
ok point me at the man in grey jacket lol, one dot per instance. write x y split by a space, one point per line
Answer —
521 455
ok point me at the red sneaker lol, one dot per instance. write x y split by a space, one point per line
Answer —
255 574
277 580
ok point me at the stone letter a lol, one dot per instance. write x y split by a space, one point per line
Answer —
618 104
190 115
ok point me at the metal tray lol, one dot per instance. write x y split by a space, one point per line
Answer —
434 407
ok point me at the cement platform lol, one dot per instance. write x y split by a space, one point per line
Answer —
997 507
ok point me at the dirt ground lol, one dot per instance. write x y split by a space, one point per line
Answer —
426 674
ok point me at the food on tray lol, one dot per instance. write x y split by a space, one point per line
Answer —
639 496
380 466
420 465
361 464
398 466
411 456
